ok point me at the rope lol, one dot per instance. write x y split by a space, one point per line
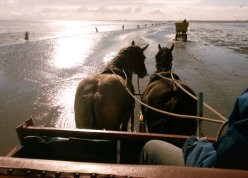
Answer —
219 133
194 97
165 112
223 123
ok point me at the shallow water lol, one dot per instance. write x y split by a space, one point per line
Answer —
39 77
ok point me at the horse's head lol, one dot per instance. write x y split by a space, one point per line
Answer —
164 58
137 59
131 59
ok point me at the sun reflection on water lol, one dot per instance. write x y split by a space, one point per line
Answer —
75 42
65 99
109 57
71 51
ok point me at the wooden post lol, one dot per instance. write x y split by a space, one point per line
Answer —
26 36
132 122
200 113
19 131
29 122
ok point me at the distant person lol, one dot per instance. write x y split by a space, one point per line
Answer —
231 151
122 27
96 29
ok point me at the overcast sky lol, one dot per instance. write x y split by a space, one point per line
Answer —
124 9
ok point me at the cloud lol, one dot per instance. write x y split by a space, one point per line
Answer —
124 9
104 9
156 12
82 10
138 10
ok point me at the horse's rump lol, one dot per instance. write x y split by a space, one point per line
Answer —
100 102
166 95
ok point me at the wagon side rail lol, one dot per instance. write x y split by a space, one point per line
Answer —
31 130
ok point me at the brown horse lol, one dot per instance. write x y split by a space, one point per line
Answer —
166 95
101 101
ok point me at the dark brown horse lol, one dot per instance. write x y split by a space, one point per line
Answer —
101 101
166 95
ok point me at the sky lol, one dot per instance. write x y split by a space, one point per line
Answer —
123 9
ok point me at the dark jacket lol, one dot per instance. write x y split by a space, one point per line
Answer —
231 151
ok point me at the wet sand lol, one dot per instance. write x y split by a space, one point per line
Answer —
219 73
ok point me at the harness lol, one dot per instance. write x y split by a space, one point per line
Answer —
116 71
155 77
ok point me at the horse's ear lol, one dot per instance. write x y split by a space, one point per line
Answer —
172 47
159 47
133 43
144 48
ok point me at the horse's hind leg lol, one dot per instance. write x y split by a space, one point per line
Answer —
124 124
125 119
82 116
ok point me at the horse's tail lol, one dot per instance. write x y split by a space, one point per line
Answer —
86 111
95 110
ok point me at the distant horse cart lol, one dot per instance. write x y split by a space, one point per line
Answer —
181 30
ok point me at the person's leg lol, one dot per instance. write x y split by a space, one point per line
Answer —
161 153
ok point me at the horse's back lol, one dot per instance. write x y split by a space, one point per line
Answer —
165 95
100 101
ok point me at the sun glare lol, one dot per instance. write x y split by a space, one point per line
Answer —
73 45
108 57
69 52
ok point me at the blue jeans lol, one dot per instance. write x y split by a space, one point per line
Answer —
159 152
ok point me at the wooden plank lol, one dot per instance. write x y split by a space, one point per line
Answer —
88 169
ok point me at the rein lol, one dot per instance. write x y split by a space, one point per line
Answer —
192 96
223 123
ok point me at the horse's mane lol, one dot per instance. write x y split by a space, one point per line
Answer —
123 57
121 60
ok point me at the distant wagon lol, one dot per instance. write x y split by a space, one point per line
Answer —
181 30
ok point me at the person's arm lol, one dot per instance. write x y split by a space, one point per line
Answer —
198 153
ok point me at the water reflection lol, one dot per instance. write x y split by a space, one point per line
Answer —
71 51
70 63
65 99
109 57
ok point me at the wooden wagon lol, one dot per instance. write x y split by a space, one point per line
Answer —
181 30
74 153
